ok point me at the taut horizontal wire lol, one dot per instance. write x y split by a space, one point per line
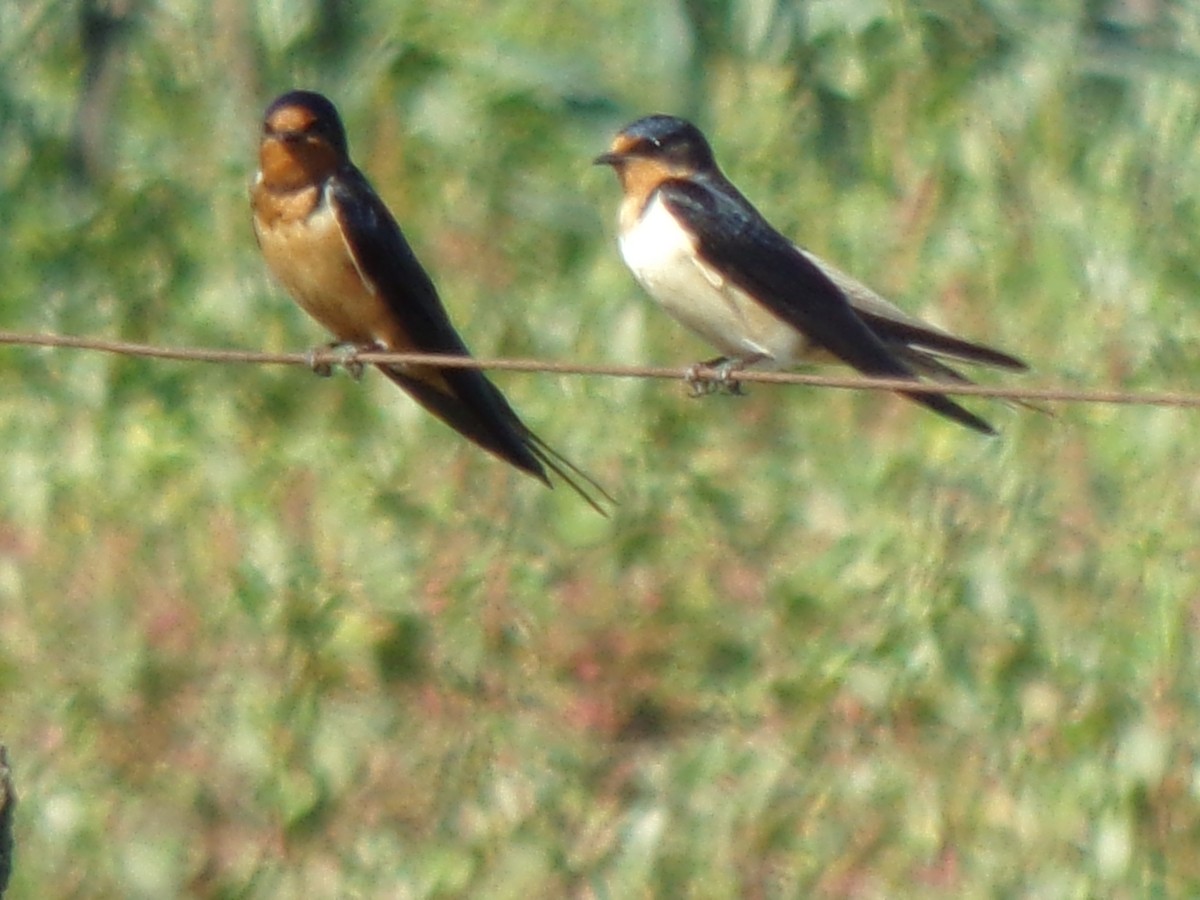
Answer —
327 356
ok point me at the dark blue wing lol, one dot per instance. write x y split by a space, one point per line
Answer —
464 398
738 242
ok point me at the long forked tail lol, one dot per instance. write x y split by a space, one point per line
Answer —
502 433
929 366
587 487
943 405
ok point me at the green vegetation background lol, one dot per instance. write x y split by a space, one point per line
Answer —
265 635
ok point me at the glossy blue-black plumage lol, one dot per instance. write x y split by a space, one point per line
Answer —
732 238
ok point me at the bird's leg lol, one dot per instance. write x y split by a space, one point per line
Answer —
725 382
320 369
700 385
347 358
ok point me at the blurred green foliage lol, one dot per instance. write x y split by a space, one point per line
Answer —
263 635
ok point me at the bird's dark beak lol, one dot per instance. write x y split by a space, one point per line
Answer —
608 159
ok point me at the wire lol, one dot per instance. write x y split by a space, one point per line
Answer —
342 356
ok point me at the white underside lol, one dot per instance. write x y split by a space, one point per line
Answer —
662 256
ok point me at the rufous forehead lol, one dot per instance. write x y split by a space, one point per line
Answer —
624 143
291 119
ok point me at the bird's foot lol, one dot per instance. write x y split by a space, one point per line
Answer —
701 384
347 358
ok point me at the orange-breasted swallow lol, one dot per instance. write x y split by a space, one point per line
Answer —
717 266
332 243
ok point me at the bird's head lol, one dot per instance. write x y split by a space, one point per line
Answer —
303 141
667 146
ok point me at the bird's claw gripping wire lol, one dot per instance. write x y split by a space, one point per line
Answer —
701 384
347 358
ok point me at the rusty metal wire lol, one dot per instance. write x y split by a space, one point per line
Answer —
339 356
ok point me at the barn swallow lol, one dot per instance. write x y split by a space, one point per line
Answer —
699 248
334 246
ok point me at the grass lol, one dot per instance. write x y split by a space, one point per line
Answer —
265 635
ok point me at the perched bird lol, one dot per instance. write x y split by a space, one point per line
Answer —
333 244
715 264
